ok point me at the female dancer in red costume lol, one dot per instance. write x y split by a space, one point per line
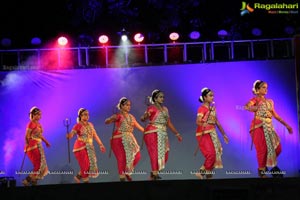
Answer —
208 141
123 142
156 137
83 149
34 148
264 137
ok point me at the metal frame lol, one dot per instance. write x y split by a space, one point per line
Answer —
148 54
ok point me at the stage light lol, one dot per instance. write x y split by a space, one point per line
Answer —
289 30
103 39
139 37
222 34
124 35
174 36
62 41
124 38
256 32
194 35
6 42
36 41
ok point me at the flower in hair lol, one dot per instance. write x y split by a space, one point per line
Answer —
31 110
119 104
151 100
203 89
156 90
80 110
34 107
255 83
253 88
153 92
201 98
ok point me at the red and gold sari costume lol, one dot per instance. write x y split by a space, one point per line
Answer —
156 137
264 137
84 150
208 141
124 144
35 151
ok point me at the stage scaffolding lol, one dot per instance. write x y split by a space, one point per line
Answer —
145 54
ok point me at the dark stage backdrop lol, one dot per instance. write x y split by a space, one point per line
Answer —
60 93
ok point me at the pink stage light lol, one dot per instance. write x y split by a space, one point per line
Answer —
138 37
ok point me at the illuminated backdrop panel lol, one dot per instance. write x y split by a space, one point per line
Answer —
60 93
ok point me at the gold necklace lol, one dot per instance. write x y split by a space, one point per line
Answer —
128 121
159 107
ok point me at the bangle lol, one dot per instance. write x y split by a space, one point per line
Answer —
177 135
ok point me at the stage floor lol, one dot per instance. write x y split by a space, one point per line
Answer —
231 189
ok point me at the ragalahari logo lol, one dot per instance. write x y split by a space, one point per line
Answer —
246 9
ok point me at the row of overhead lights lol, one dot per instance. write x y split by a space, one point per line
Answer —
104 39
139 37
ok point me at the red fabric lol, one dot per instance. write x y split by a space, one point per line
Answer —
150 137
119 152
35 158
137 159
81 153
206 147
78 129
118 122
36 132
257 132
118 147
153 113
83 161
259 142
35 127
256 101
78 144
32 150
204 111
151 143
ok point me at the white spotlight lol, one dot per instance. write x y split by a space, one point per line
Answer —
124 38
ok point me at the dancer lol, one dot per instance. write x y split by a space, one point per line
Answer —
156 137
123 141
264 137
83 149
34 148
207 137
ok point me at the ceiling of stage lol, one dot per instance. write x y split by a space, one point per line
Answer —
22 20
